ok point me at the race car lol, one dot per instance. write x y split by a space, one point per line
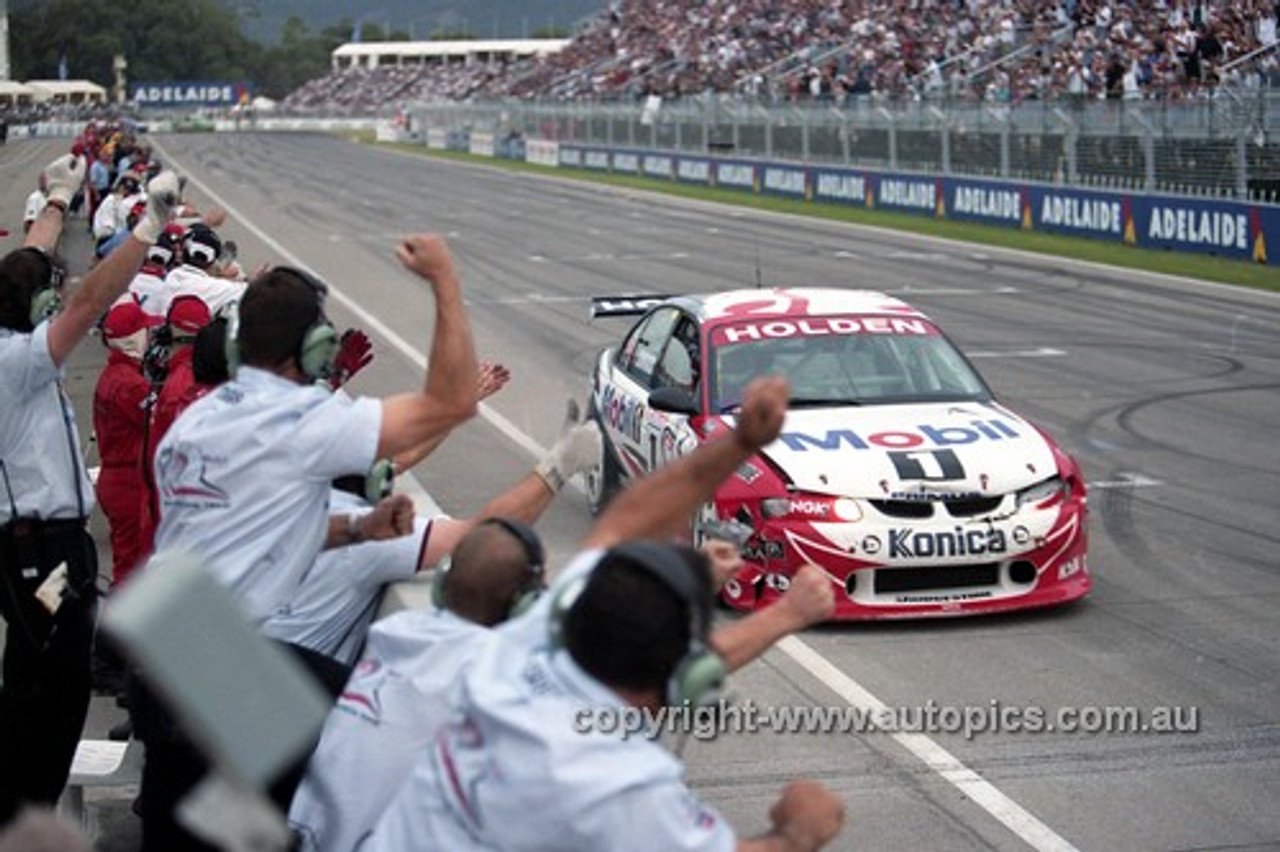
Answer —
897 472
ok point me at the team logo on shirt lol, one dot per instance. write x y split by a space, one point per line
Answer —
183 475
363 694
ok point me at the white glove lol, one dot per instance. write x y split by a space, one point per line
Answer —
63 178
163 194
577 449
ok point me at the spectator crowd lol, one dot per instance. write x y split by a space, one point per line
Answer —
837 51
228 432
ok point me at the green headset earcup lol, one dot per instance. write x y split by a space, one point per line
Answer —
319 348
233 339
437 585
698 679
524 601
44 304
380 480
565 597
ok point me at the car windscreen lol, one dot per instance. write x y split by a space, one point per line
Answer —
842 360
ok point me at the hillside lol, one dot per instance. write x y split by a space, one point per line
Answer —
482 18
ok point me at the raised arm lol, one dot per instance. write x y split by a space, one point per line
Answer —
448 396
660 504
112 275
809 600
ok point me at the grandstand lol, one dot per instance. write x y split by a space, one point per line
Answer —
799 50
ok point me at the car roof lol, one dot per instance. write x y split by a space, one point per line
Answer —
791 302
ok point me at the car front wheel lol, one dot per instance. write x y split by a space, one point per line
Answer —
603 479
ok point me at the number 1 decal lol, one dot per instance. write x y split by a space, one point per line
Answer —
928 465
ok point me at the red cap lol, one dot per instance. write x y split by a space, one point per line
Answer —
187 314
127 318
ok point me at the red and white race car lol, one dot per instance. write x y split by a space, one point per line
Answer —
896 472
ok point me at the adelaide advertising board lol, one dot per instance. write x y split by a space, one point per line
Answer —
190 93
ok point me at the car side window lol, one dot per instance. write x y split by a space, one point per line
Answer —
640 351
679 364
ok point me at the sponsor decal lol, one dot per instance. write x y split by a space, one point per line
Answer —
622 413
841 187
917 194
1081 213
759 551
1071 567
950 597
1199 227
912 544
596 160
933 496
923 435
777 582
735 174
749 473
987 201
819 327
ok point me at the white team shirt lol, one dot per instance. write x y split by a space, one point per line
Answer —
244 479
386 717
338 597
150 292
215 292
39 444
110 216
511 771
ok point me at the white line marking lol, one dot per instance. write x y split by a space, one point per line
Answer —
952 291
981 792
1127 480
1042 352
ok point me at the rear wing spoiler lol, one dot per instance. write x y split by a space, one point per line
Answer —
624 306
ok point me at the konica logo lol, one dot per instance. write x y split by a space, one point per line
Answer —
922 435
909 544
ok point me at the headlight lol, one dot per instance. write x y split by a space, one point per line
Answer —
1053 488
811 507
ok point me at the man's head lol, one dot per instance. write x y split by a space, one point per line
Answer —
640 623
201 246
126 328
163 254
30 284
495 572
127 184
281 324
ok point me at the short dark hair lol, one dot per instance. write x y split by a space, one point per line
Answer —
629 629
489 568
23 272
276 311
209 353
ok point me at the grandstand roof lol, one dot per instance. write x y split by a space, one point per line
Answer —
415 49
66 90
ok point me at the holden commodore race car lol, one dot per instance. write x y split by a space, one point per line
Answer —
897 472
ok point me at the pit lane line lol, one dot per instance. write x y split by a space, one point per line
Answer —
981 792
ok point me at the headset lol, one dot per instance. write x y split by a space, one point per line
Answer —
46 299
534 583
320 343
699 677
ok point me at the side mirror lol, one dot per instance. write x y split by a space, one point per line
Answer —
673 400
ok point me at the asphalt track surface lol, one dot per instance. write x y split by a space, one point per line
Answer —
1166 389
